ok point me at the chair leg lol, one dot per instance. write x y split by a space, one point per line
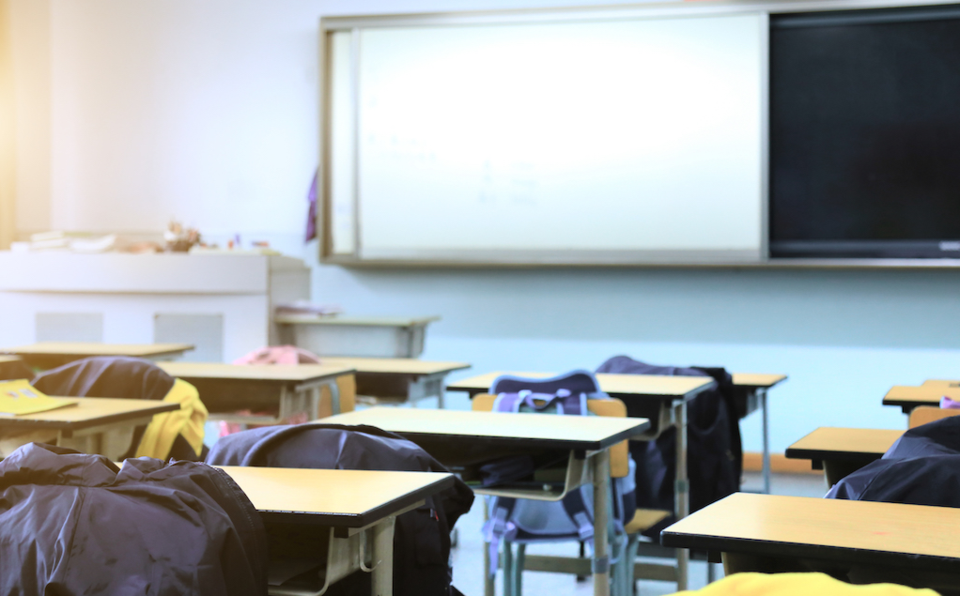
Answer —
518 564
630 556
583 555
508 565
619 578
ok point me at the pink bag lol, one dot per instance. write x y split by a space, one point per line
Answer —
271 355
279 355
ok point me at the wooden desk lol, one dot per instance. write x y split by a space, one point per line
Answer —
226 388
754 531
345 509
448 434
908 397
376 337
51 354
841 451
399 379
95 425
13 367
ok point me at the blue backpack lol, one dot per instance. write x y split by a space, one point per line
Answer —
571 518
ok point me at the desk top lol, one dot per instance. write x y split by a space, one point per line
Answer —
620 386
395 366
337 498
9 358
829 529
757 380
843 444
88 349
355 321
925 395
534 431
271 373
941 383
89 411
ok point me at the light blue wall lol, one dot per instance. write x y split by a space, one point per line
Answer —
844 337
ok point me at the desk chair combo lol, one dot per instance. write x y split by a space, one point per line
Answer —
772 533
664 400
751 393
384 381
129 408
842 451
336 521
460 439
311 390
893 521
638 521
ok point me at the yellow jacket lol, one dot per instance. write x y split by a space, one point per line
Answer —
187 421
798 584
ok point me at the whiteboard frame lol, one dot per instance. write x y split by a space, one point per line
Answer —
696 258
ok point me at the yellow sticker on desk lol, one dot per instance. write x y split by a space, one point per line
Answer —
19 397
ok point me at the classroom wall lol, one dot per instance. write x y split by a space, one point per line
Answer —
206 110
7 124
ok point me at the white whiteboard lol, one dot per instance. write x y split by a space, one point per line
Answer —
627 140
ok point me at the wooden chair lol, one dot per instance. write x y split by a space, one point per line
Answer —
623 575
924 414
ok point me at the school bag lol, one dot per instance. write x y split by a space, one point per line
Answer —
571 518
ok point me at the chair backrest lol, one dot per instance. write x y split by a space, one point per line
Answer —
619 453
924 414
577 381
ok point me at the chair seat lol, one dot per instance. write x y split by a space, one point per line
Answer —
644 519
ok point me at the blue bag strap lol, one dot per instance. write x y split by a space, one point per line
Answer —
498 527
576 509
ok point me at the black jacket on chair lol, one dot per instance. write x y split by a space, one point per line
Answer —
921 468
422 538
118 377
74 524
714 452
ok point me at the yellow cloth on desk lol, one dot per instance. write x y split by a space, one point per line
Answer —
188 421
798 584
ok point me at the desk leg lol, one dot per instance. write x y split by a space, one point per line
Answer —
681 488
334 396
601 498
762 395
382 576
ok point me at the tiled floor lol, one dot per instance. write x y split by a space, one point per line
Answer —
468 555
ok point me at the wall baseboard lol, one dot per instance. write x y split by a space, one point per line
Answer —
753 462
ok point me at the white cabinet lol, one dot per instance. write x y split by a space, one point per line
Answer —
223 304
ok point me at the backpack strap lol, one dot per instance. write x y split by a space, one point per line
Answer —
508 402
498 527
576 509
